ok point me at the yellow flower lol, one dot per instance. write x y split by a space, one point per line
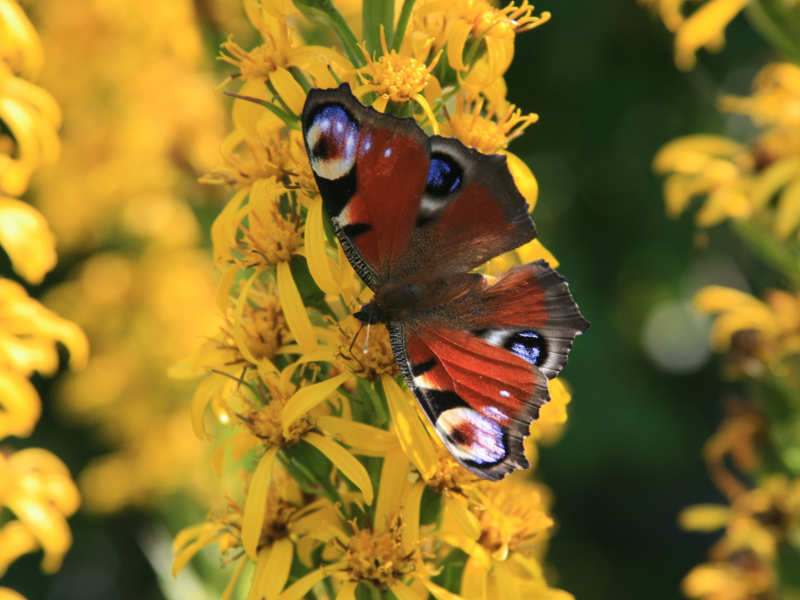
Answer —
280 51
704 28
20 46
470 25
26 237
398 78
745 579
776 323
716 167
32 116
288 521
38 489
28 336
489 132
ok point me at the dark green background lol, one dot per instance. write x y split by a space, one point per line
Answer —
602 79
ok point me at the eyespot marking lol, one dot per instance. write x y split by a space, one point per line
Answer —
444 175
470 436
332 140
529 345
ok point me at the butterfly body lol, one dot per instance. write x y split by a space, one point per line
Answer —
415 215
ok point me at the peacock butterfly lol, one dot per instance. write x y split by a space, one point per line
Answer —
415 214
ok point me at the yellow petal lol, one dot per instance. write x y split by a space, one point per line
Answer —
505 586
224 287
20 40
294 310
348 591
256 503
787 215
345 462
402 591
411 433
363 439
523 177
183 557
6 593
691 153
16 539
704 517
308 397
260 573
474 580
702 28
228 592
288 89
302 586
278 566
26 237
773 178
246 113
316 250
238 332
47 524
716 298
202 396
20 404
394 476
534 250
437 592
411 517
458 510
455 44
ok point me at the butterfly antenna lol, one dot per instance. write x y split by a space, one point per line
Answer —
353 343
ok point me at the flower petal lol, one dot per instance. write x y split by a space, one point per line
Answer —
308 397
394 476
256 502
348 591
787 214
278 566
455 44
474 580
504 583
228 592
294 310
224 287
362 439
438 592
411 517
316 250
20 404
458 510
27 238
402 591
302 586
523 177
345 462
411 433
288 89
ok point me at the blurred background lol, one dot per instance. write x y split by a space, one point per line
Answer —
141 125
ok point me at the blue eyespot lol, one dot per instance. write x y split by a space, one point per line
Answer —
528 345
444 175
332 140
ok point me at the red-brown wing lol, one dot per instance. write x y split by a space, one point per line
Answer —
371 169
480 398
471 211
479 365
402 202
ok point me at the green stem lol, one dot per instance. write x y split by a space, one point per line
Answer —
777 254
402 24
376 13
326 11
287 117
778 24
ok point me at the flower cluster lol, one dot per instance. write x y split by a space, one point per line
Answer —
346 487
35 486
118 200
754 457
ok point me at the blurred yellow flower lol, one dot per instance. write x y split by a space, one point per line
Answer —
704 28
38 489
26 237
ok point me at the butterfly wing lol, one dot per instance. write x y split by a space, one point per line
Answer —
402 202
479 366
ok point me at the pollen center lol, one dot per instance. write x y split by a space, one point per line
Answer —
379 556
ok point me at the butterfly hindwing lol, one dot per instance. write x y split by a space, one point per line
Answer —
479 365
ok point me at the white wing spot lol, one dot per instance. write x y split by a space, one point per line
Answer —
504 394
388 152
339 126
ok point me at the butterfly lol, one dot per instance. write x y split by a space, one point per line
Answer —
415 215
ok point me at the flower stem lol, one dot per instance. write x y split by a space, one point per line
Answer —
325 10
402 24
776 254
374 14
